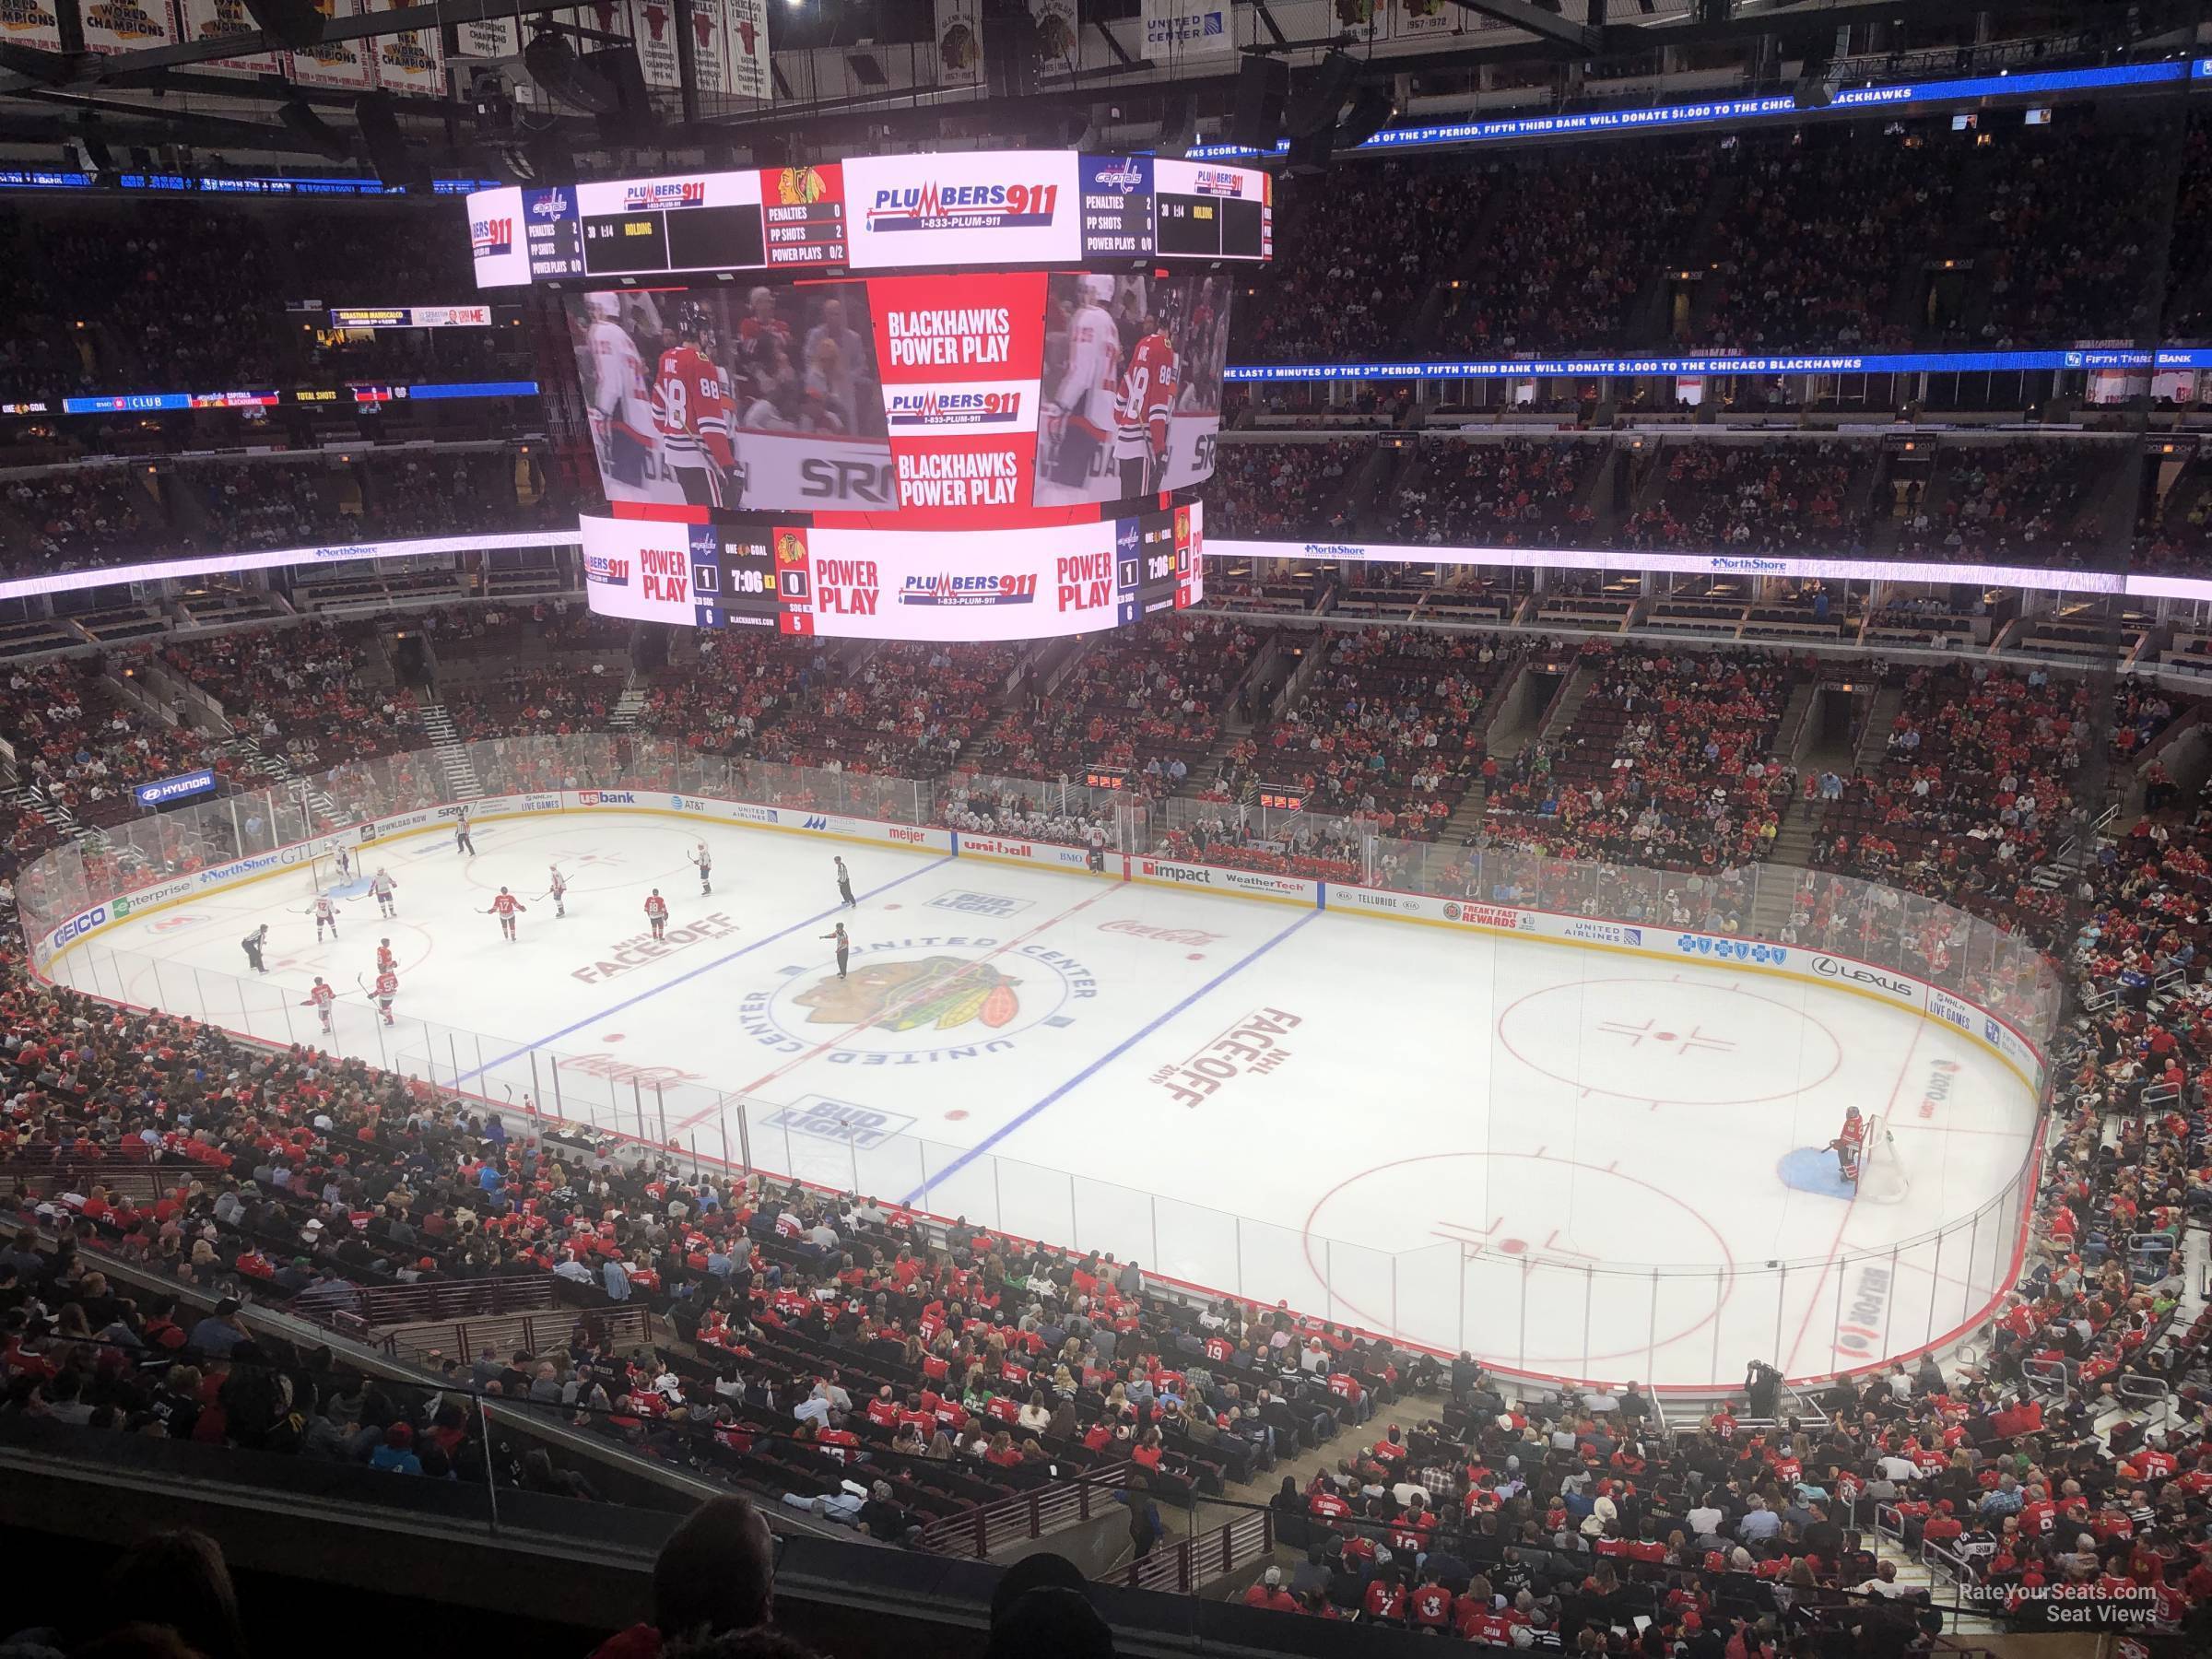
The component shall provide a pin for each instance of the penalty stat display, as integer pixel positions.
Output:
(875, 213)
(988, 585)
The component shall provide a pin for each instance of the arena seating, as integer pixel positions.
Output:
(1668, 763)
(1521, 493)
(1766, 498)
(1146, 699)
(1365, 259)
(1388, 730)
(2015, 503)
(1278, 489)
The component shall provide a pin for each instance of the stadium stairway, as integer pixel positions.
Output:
(48, 807)
(281, 778)
(630, 708)
(453, 754)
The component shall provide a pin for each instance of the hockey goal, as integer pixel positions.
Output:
(1881, 1171)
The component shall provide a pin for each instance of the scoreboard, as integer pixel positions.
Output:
(994, 209)
(891, 584)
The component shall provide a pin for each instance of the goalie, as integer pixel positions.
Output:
(1850, 1148)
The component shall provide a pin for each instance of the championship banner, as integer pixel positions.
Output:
(709, 47)
(339, 65)
(33, 23)
(113, 26)
(652, 26)
(1188, 31)
(960, 42)
(221, 20)
(494, 38)
(412, 61)
(745, 34)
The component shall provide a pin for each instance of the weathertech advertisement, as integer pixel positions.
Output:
(885, 584)
(955, 400)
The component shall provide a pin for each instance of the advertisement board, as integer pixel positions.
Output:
(1015, 849)
(161, 791)
(898, 584)
(994, 206)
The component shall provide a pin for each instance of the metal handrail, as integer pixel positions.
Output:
(978, 1533)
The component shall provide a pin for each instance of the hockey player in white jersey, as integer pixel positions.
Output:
(326, 916)
(621, 398)
(381, 884)
(1078, 410)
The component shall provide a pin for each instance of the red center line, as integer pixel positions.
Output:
(922, 994)
(1789, 1367)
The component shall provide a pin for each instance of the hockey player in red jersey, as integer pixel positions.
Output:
(1850, 1146)
(656, 912)
(504, 907)
(1140, 413)
(319, 999)
(385, 961)
(693, 412)
(387, 987)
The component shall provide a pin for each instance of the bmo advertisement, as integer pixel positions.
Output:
(979, 584)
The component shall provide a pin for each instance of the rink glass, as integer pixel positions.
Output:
(1440, 1297)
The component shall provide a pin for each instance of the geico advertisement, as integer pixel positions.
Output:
(1022, 206)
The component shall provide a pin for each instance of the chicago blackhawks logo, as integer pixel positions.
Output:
(943, 992)
(910, 1001)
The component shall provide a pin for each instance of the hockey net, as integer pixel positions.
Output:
(1881, 1172)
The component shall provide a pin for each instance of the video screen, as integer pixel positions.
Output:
(945, 399)
(755, 399)
(1131, 379)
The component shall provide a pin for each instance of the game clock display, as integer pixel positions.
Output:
(889, 584)
(974, 210)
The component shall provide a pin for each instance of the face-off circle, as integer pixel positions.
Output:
(927, 997)
(1510, 1227)
(1671, 1042)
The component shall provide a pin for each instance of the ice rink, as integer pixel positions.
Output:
(1570, 1161)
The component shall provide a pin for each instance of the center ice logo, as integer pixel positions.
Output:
(941, 991)
(916, 1000)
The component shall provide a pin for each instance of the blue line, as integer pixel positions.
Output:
(682, 978)
(1111, 1055)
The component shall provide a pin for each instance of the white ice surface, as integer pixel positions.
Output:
(1564, 1160)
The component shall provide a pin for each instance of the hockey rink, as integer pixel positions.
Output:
(1568, 1161)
